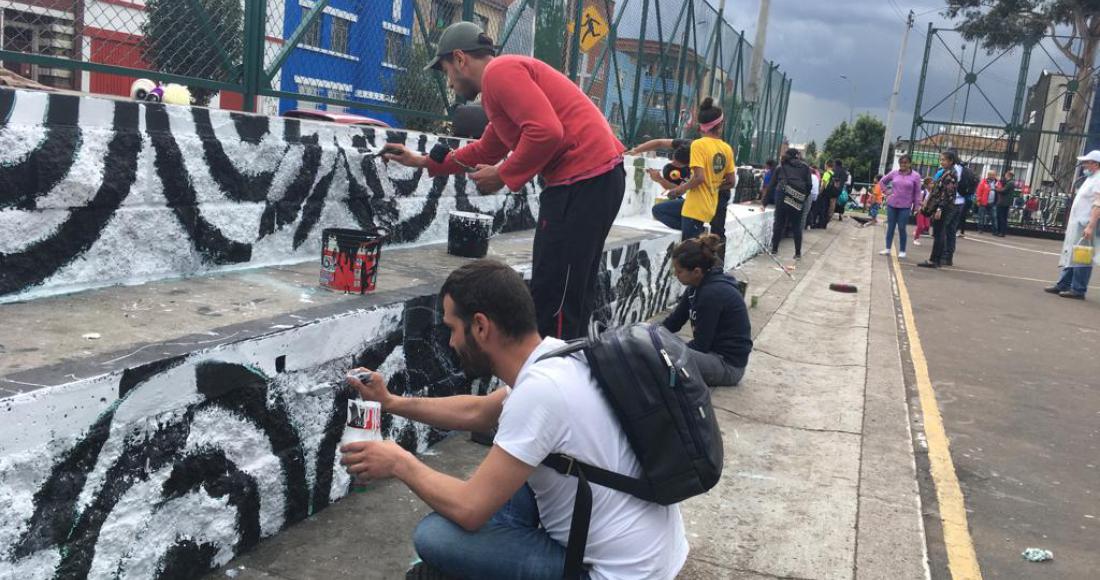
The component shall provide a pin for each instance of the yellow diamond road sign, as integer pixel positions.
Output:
(593, 28)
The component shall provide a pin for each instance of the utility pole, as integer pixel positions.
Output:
(894, 96)
(758, 51)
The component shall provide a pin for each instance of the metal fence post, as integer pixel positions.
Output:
(468, 10)
(632, 132)
(689, 24)
(550, 32)
(1017, 109)
(920, 89)
(575, 43)
(253, 62)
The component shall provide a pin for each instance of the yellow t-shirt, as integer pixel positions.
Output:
(714, 158)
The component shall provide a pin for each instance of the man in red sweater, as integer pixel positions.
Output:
(552, 129)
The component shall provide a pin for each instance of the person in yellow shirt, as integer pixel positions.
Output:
(712, 168)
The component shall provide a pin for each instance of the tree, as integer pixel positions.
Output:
(416, 88)
(197, 38)
(858, 146)
(811, 152)
(1003, 24)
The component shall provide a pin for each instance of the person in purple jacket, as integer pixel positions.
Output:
(902, 202)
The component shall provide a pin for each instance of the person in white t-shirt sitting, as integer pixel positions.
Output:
(511, 519)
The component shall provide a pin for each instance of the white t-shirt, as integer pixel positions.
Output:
(556, 407)
(815, 190)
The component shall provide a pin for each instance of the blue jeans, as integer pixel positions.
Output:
(512, 545)
(952, 232)
(985, 218)
(1075, 279)
(668, 213)
(897, 217)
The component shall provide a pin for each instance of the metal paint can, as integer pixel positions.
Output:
(468, 234)
(349, 259)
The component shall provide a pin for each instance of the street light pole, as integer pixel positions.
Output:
(894, 96)
(851, 100)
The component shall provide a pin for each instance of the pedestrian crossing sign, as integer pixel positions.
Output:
(593, 28)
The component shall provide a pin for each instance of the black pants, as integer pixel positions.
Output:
(787, 217)
(718, 224)
(950, 236)
(939, 235)
(574, 221)
(968, 205)
(1002, 220)
(715, 370)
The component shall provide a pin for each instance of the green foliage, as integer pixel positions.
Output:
(196, 38)
(418, 90)
(858, 146)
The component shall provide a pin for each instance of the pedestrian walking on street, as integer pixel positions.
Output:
(554, 130)
(905, 197)
(791, 187)
(984, 199)
(1006, 197)
(967, 185)
(878, 194)
(721, 332)
(941, 207)
(815, 193)
(820, 206)
(1080, 252)
(924, 223)
(968, 188)
(712, 169)
(843, 181)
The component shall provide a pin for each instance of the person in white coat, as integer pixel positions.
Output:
(1081, 231)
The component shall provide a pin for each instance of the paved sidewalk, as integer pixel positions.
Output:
(820, 477)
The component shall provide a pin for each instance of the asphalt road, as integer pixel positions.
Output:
(1017, 377)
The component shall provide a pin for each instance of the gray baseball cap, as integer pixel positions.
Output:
(464, 36)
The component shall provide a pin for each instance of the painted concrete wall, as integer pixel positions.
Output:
(166, 469)
(172, 467)
(96, 192)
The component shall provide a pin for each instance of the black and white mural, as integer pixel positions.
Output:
(96, 192)
(171, 468)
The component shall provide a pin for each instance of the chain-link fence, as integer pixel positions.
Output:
(645, 63)
(1026, 109)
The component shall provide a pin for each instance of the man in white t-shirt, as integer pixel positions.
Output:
(512, 517)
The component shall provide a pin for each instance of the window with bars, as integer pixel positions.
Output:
(395, 47)
(1067, 103)
(312, 35)
(339, 37)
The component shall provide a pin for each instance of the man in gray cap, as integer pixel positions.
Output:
(552, 129)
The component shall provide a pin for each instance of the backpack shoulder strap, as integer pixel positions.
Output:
(567, 466)
(582, 505)
(571, 347)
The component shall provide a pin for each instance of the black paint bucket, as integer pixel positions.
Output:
(468, 234)
(349, 259)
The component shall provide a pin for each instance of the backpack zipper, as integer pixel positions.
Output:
(681, 396)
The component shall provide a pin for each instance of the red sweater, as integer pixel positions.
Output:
(550, 126)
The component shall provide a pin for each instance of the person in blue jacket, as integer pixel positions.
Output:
(722, 333)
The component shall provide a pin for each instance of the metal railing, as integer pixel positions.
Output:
(645, 63)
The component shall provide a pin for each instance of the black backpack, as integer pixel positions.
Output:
(664, 408)
(968, 184)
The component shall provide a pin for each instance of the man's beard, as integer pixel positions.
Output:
(475, 363)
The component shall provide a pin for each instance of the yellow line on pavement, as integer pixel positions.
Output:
(962, 560)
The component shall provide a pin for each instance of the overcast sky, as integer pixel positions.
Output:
(816, 43)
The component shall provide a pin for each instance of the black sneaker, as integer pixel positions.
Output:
(1071, 295)
(422, 571)
(927, 264)
(1053, 290)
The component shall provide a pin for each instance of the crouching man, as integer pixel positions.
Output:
(511, 519)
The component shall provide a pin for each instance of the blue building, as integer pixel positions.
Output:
(351, 52)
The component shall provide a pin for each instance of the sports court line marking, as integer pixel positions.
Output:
(1010, 246)
(962, 560)
(1006, 276)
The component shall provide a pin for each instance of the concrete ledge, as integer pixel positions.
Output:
(173, 455)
